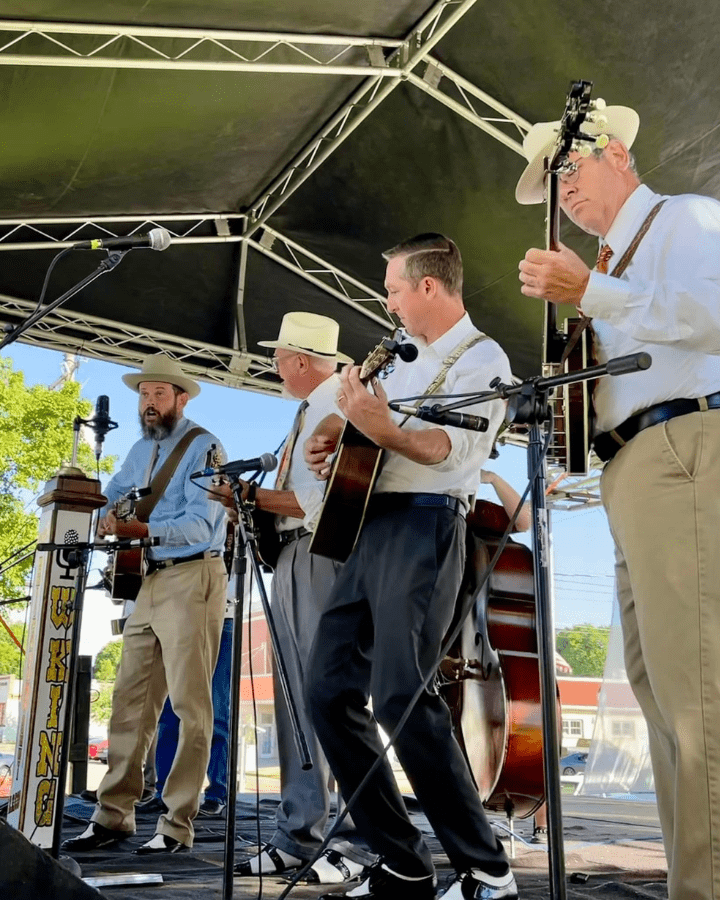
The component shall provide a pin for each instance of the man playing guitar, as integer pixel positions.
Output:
(171, 639)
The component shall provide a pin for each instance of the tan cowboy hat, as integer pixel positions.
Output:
(309, 333)
(160, 367)
(619, 121)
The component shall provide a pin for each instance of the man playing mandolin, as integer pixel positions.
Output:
(659, 434)
(171, 640)
(306, 358)
(381, 634)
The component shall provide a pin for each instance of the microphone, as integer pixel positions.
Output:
(156, 239)
(265, 463)
(101, 422)
(406, 352)
(437, 415)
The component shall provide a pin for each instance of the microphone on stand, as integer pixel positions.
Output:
(406, 352)
(265, 463)
(156, 239)
(438, 416)
(101, 422)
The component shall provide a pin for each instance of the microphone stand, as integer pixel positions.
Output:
(528, 405)
(245, 539)
(107, 265)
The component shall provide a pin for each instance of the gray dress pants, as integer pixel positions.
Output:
(300, 589)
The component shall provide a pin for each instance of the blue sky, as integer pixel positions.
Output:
(249, 424)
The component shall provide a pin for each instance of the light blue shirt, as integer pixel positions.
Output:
(185, 519)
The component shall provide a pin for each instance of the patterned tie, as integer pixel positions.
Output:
(603, 259)
(284, 467)
(601, 266)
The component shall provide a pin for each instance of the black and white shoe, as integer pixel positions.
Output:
(333, 868)
(270, 861)
(161, 843)
(476, 885)
(95, 837)
(384, 884)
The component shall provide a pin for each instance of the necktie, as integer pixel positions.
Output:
(284, 467)
(601, 266)
(603, 259)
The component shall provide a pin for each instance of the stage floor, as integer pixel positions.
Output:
(612, 849)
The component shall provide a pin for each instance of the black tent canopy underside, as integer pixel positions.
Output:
(88, 148)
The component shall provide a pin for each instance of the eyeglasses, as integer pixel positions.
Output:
(276, 360)
(569, 173)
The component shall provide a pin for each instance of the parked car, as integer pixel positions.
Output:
(98, 749)
(573, 763)
(6, 769)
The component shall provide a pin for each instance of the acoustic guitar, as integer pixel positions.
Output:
(123, 576)
(355, 469)
(564, 350)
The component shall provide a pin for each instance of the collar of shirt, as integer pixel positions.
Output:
(446, 343)
(627, 222)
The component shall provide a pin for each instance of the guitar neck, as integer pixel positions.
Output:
(553, 343)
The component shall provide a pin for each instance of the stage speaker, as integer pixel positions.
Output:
(27, 872)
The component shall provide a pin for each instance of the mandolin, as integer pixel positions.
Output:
(355, 468)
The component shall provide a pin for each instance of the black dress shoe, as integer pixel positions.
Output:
(211, 807)
(382, 884)
(95, 837)
(154, 805)
(161, 843)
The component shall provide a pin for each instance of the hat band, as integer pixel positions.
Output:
(311, 350)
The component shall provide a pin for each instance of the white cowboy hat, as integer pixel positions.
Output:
(618, 121)
(309, 333)
(160, 367)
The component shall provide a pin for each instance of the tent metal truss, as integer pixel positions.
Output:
(382, 63)
(128, 345)
(123, 343)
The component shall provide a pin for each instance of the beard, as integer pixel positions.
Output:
(162, 425)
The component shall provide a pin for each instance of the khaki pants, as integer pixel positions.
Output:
(171, 643)
(662, 497)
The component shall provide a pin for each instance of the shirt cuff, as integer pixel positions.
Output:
(605, 298)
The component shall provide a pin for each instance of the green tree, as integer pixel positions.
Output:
(9, 651)
(101, 704)
(107, 661)
(585, 647)
(36, 437)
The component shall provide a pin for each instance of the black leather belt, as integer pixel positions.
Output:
(607, 444)
(287, 537)
(153, 565)
(391, 502)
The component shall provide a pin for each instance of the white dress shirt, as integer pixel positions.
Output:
(459, 474)
(308, 491)
(667, 303)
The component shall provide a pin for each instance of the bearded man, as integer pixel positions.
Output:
(172, 637)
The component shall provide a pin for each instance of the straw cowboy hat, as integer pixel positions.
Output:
(309, 333)
(160, 367)
(616, 121)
